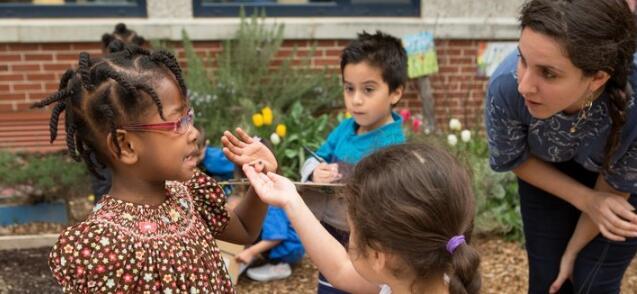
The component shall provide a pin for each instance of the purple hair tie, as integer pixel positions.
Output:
(454, 242)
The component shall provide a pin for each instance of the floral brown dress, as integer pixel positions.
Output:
(130, 248)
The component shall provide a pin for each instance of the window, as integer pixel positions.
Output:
(230, 8)
(72, 8)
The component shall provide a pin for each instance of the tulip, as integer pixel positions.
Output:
(406, 114)
(452, 140)
(454, 124)
(465, 135)
(416, 123)
(267, 115)
(275, 139)
(281, 130)
(257, 120)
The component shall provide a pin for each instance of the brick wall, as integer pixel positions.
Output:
(29, 72)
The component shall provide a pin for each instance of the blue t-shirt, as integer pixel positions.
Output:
(344, 145)
(513, 134)
(277, 226)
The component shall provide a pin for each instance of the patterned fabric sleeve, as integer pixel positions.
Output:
(209, 200)
(623, 174)
(507, 134)
(82, 261)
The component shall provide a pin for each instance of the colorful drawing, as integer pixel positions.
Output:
(490, 54)
(421, 54)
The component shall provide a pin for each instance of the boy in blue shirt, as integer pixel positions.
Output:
(279, 243)
(374, 73)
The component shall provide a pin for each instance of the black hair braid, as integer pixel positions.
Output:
(149, 90)
(53, 98)
(66, 77)
(133, 50)
(83, 70)
(85, 152)
(70, 139)
(121, 80)
(166, 58)
(55, 116)
(109, 114)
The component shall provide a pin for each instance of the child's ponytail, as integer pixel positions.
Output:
(464, 275)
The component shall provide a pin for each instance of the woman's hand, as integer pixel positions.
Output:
(246, 150)
(273, 189)
(566, 271)
(613, 215)
(326, 173)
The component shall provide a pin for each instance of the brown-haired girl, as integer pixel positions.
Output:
(410, 210)
(151, 232)
(561, 115)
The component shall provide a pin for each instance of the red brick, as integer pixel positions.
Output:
(26, 87)
(469, 69)
(4, 68)
(6, 107)
(470, 52)
(448, 69)
(11, 77)
(326, 62)
(324, 43)
(4, 57)
(67, 56)
(22, 106)
(4, 87)
(24, 47)
(295, 43)
(38, 57)
(4, 47)
(56, 46)
(57, 66)
(25, 67)
(12, 96)
(449, 51)
(51, 86)
(333, 52)
(207, 45)
(36, 96)
(461, 60)
(40, 77)
(462, 43)
(342, 43)
(87, 46)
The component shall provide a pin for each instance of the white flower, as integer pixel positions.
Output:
(454, 124)
(452, 140)
(465, 135)
(275, 139)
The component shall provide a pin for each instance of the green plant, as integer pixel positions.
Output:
(247, 78)
(43, 177)
(498, 204)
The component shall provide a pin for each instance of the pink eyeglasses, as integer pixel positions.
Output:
(180, 127)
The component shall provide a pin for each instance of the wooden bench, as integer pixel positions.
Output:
(28, 131)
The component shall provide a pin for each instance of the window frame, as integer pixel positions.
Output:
(72, 10)
(339, 8)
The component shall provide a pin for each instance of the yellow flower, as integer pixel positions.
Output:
(281, 130)
(267, 115)
(347, 114)
(257, 120)
(91, 198)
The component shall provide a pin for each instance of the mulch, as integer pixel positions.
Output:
(504, 270)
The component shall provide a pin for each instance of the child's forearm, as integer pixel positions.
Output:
(263, 246)
(246, 220)
(329, 256)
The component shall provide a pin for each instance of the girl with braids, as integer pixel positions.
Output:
(561, 115)
(120, 37)
(410, 214)
(156, 228)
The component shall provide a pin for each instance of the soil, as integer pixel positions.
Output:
(504, 270)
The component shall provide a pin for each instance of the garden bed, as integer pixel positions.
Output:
(503, 269)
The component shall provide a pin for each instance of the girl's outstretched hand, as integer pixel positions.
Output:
(273, 189)
(246, 150)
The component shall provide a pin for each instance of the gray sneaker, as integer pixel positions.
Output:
(269, 272)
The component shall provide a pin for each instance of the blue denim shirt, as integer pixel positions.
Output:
(513, 134)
